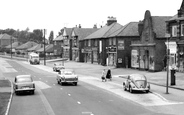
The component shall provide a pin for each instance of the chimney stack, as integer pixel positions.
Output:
(140, 27)
(111, 20)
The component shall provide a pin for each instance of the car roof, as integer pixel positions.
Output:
(138, 77)
(22, 76)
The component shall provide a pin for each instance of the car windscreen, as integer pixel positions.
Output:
(24, 79)
(139, 77)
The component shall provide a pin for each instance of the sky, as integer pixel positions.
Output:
(53, 15)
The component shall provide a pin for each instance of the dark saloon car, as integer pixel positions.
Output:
(136, 82)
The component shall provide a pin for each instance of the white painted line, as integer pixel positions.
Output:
(48, 108)
(90, 113)
(78, 102)
(69, 94)
(10, 100)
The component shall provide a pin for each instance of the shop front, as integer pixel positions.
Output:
(111, 56)
(87, 55)
(75, 54)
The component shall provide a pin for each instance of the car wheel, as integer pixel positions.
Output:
(75, 83)
(147, 91)
(32, 92)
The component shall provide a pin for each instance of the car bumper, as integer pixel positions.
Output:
(24, 89)
(140, 89)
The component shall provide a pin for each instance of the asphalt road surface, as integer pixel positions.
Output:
(89, 97)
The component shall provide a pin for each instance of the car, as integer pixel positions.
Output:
(136, 82)
(57, 67)
(67, 76)
(23, 83)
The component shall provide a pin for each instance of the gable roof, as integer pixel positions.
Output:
(83, 32)
(48, 49)
(68, 32)
(14, 45)
(6, 36)
(36, 47)
(26, 45)
(130, 29)
(159, 25)
(104, 31)
(58, 38)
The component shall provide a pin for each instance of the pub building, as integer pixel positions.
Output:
(175, 30)
(149, 51)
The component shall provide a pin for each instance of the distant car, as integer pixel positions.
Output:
(57, 67)
(136, 82)
(67, 76)
(24, 83)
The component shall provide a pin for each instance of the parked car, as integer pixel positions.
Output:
(136, 82)
(57, 67)
(67, 76)
(24, 83)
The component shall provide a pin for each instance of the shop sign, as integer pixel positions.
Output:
(121, 45)
(172, 47)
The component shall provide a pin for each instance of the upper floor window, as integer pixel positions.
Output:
(182, 29)
(174, 31)
(66, 42)
(89, 42)
(114, 41)
(110, 41)
(74, 42)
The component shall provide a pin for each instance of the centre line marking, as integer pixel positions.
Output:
(78, 102)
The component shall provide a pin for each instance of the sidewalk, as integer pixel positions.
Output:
(157, 78)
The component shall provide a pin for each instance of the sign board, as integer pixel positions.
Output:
(121, 45)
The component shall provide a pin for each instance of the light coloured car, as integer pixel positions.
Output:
(57, 67)
(67, 76)
(24, 83)
(136, 82)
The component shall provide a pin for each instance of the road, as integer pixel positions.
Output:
(90, 97)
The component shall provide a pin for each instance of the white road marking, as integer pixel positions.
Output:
(69, 94)
(6, 67)
(90, 113)
(47, 106)
(78, 102)
(42, 85)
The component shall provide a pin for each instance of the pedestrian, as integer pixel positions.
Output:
(109, 76)
(103, 75)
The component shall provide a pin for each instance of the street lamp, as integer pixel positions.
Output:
(44, 48)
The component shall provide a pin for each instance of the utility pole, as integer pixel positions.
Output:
(168, 53)
(11, 45)
(44, 49)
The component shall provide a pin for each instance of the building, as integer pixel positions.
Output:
(149, 51)
(118, 45)
(58, 46)
(6, 40)
(94, 45)
(78, 34)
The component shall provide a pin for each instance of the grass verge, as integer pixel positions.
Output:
(4, 99)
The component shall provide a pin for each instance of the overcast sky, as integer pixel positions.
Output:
(56, 14)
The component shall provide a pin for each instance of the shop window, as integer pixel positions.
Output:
(182, 29)
(174, 31)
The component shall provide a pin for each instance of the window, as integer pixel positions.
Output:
(114, 41)
(174, 31)
(96, 43)
(182, 29)
(89, 42)
(110, 41)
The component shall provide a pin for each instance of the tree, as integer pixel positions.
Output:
(60, 32)
(51, 37)
(38, 35)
